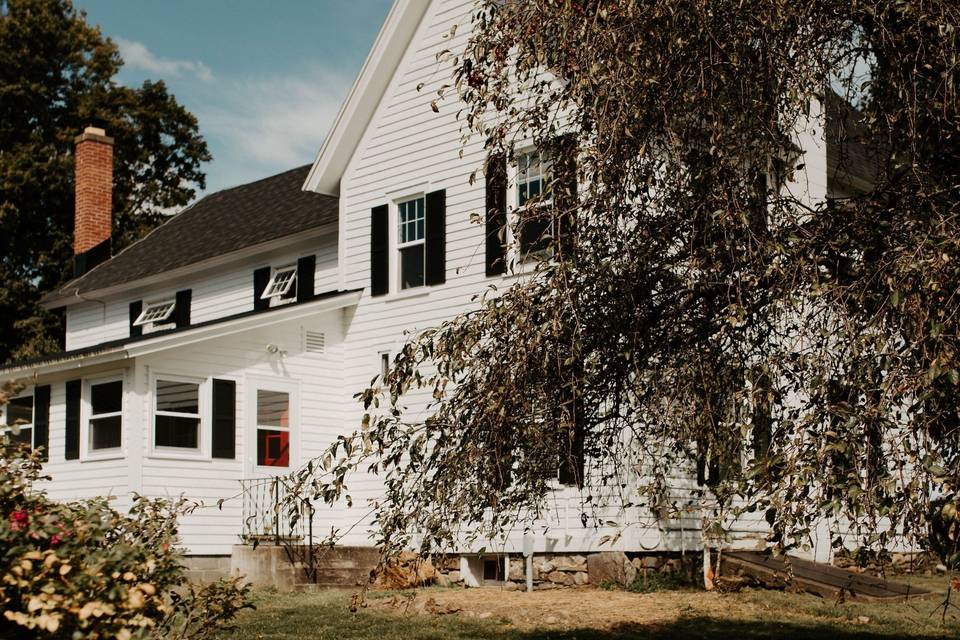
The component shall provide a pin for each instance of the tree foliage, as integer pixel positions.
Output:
(58, 77)
(699, 310)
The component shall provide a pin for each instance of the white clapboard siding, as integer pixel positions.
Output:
(406, 146)
(224, 292)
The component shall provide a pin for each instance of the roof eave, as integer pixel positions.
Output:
(216, 329)
(368, 89)
(64, 296)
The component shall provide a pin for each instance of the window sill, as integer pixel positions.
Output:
(406, 294)
(112, 454)
(173, 454)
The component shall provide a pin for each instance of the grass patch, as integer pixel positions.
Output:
(594, 614)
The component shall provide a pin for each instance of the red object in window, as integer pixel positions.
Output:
(273, 448)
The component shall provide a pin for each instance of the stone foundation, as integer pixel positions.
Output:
(556, 570)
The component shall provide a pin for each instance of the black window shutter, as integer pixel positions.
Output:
(223, 442)
(565, 191)
(135, 309)
(496, 217)
(261, 277)
(436, 237)
(72, 436)
(379, 251)
(41, 420)
(181, 312)
(306, 266)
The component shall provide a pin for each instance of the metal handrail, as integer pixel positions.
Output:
(264, 500)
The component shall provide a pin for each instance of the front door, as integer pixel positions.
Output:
(273, 433)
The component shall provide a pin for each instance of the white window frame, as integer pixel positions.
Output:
(87, 452)
(292, 389)
(6, 429)
(514, 254)
(399, 246)
(274, 292)
(145, 318)
(203, 441)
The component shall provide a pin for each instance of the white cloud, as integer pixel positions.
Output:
(137, 56)
(262, 125)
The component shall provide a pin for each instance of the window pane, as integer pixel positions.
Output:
(174, 431)
(273, 448)
(410, 216)
(411, 266)
(106, 397)
(179, 397)
(273, 408)
(24, 437)
(105, 433)
(20, 410)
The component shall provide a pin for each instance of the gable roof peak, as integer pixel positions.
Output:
(362, 100)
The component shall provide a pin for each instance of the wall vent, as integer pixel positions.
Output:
(313, 341)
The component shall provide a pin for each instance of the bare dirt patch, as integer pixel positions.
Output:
(578, 608)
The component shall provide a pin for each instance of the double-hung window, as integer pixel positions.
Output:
(533, 169)
(177, 414)
(106, 415)
(282, 283)
(155, 313)
(20, 420)
(273, 428)
(411, 244)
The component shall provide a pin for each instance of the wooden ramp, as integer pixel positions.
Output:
(821, 579)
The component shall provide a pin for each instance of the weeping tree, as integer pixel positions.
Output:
(690, 308)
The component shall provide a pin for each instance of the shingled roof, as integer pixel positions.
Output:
(225, 221)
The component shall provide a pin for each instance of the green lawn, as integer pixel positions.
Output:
(751, 614)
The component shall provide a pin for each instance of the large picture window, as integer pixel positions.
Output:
(411, 245)
(19, 418)
(106, 415)
(273, 428)
(177, 414)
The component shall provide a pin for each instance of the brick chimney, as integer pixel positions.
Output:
(93, 216)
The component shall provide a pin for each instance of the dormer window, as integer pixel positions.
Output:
(281, 283)
(155, 313)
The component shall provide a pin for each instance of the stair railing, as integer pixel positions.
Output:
(272, 514)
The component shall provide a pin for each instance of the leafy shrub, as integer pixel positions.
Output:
(945, 530)
(81, 569)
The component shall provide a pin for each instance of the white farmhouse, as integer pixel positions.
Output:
(228, 344)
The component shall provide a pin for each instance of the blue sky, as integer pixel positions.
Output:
(265, 79)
